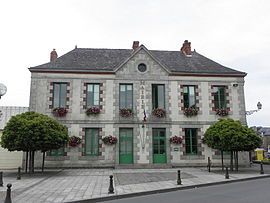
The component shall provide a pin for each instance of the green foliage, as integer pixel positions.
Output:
(32, 131)
(231, 135)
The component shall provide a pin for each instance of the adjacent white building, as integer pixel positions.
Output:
(9, 160)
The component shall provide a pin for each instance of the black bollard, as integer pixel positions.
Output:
(8, 197)
(111, 189)
(19, 173)
(179, 181)
(209, 164)
(1, 179)
(227, 173)
(261, 172)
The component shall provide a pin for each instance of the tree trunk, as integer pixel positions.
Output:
(33, 161)
(43, 160)
(222, 161)
(30, 161)
(250, 160)
(26, 162)
(237, 166)
(231, 166)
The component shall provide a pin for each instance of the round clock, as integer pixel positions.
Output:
(3, 89)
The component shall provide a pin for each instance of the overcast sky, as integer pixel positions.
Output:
(235, 33)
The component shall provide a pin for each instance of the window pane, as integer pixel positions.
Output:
(63, 95)
(219, 97)
(126, 96)
(59, 94)
(191, 141)
(161, 97)
(56, 93)
(191, 96)
(92, 97)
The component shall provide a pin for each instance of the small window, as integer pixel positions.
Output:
(191, 141)
(126, 96)
(189, 96)
(158, 96)
(92, 96)
(59, 95)
(220, 97)
(91, 141)
(142, 67)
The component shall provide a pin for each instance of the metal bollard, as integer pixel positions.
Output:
(8, 197)
(179, 181)
(111, 189)
(19, 173)
(1, 179)
(209, 164)
(227, 173)
(261, 172)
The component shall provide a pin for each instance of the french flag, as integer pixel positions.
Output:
(144, 116)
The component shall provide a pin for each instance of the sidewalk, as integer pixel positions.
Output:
(80, 184)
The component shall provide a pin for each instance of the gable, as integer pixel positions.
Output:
(129, 69)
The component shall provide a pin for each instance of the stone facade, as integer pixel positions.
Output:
(109, 122)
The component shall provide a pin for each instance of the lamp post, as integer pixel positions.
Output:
(3, 90)
(259, 107)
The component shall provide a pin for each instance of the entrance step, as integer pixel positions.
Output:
(142, 166)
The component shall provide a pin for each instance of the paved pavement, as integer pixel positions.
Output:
(70, 185)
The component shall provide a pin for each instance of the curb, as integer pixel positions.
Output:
(136, 194)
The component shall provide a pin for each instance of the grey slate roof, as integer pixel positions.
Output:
(100, 60)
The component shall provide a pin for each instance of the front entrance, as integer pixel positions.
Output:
(159, 145)
(125, 146)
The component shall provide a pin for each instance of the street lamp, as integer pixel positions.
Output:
(3, 90)
(259, 107)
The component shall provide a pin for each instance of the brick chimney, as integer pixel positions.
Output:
(135, 45)
(186, 48)
(53, 55)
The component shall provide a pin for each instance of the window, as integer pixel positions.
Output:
(220, 97)
(189, 96)
(158, 96)
(57, 152)
(92, 95)
(191, 141)
(91, 141)
(126, 96)
(59, 94)
(142, 67)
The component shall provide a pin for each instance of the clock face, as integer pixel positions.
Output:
(3, 89)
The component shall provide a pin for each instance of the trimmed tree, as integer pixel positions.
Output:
(30, 132)
(231, 135)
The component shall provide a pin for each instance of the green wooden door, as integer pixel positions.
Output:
(159, 145)
(126, 146)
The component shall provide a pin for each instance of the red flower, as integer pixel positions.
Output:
(176, 139)
(94, 110)
(159, 112)
(109, 140)
(60, 111)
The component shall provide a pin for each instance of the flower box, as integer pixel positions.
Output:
(222, 112)
(159, 112)
(93, 110)
(176, 139)
(60, 111)
(124, 112)
(109, 140)
(191, 111)
(74, 141)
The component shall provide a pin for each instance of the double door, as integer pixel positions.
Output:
(159, 145)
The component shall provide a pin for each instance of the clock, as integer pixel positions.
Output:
(3, 89)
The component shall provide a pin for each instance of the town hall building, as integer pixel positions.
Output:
(136, 107)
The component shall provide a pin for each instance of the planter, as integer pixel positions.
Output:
(191, 111)
(59, 111)
(74, 141)
(176, 139)
(159, 113)
(109, 140)
(94, 110)
(222, 112)
(125, 112)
